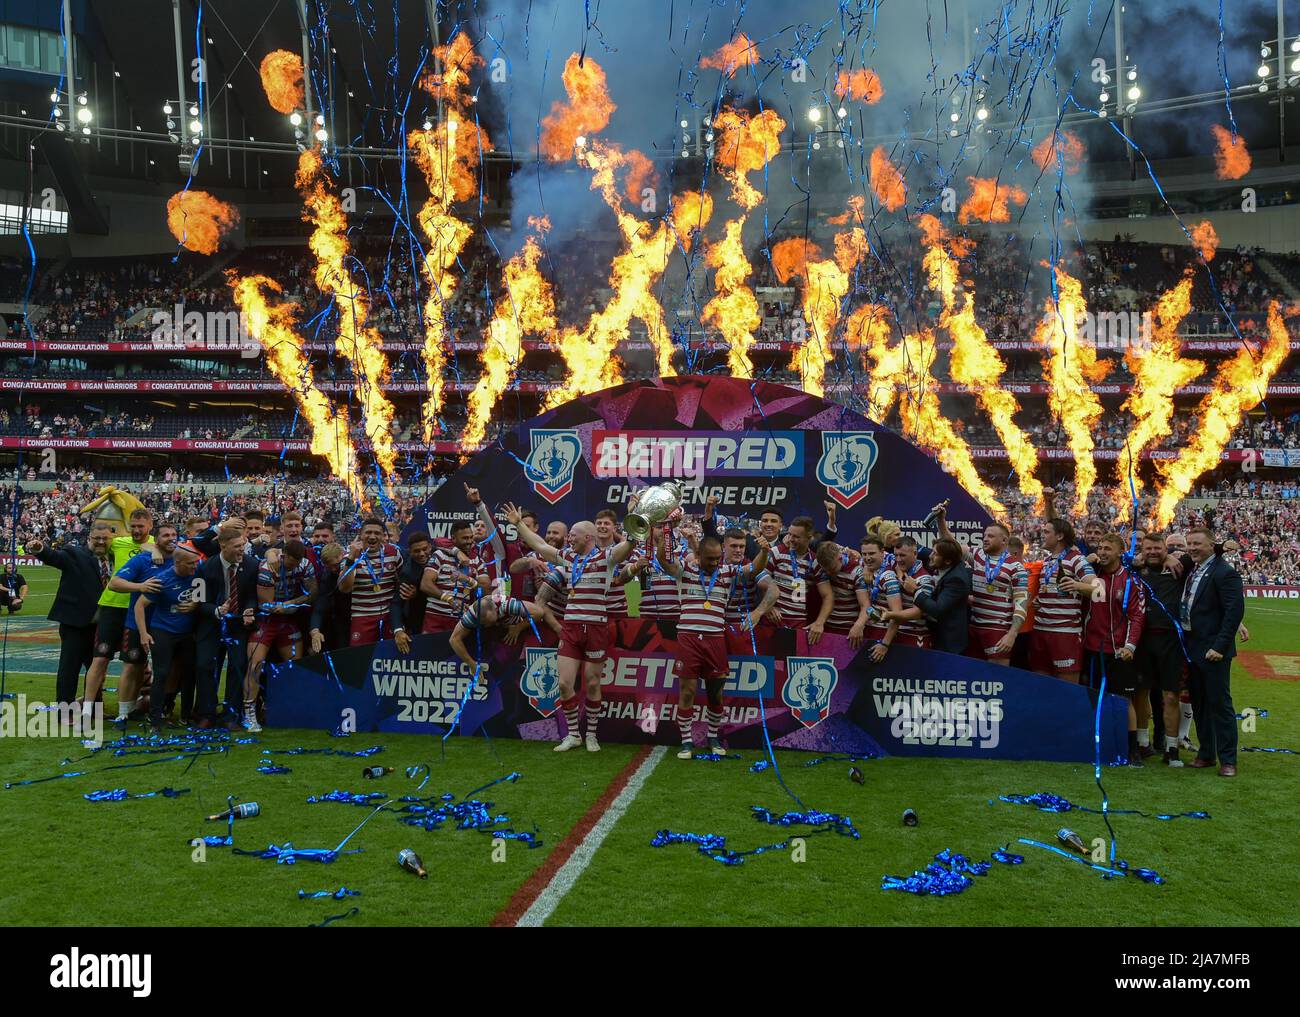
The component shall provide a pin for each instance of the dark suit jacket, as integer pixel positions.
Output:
(1216, 612)
(947, 609)
(77, 599)
(212, 572)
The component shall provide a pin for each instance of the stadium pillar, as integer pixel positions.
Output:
(431, 12)
(69, 72)
(182, 121)
(1281, 83)
(306, 69)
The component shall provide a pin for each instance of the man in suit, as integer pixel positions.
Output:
(946, 604)
(225, 615)
(1212, 608)
(83, 575)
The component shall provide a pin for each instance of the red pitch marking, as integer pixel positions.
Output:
(1270, 666)
(541, 878)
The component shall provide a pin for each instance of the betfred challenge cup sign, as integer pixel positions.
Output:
(551, 462)
(808, 686)
(540, 680)
(845, 466)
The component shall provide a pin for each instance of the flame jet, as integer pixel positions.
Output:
(357, 340)
(974, 361)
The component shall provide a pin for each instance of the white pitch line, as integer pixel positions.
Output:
(562, 882)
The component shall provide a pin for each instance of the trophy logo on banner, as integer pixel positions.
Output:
(540, 681)
(551, 462)
(845, 466)
(809, 682)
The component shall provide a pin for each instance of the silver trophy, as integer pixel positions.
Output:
(654, 506)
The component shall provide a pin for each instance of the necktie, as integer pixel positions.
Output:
(103, 572)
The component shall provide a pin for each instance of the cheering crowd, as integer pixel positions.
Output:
(180, 601)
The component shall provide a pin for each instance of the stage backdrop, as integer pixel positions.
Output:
(755, 446)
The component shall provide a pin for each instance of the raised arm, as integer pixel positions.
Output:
(534, 540)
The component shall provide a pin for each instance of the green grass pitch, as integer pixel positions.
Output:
(68, 861)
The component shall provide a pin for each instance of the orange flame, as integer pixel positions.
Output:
(449, 82)
(974, 361)
(746, 144)
(275, 328)
(1240, 384)
(886, 181)
(640, 175)
(357, 340)
(1063, 147)
(1205, 239)
(902, 373)
(1158, 373)
(586, 113)
(862, 84)
(527, 307)
(1070, 364)
(732, 56)
(734, 309)
(825, 285)
(282, 80)
(448, 156)
(1231, 157)
(988, 201)
(853, 212)
(198, 221)
(790, 256)
(589, 352)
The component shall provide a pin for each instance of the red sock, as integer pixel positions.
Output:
(593, 715)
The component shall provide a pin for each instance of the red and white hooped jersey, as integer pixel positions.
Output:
(588, 578)
(451, 577)
(793, 574)
(1058, 611)
(994, 587)
(924, 581)
(844, 596)
(374, 581)
(704, 598)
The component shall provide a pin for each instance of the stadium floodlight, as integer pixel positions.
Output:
(817, 145)
(320, 119)
(1265, 52)
(54, 96)
(1101, 114)
(815, 113)
(194, 109)
(428, 124)
(171, 124)
(84, 116)
(167, 109)
(1295, 64)
(580, 141)
(57, 112)
(954, 117)
(1132, 74)
(1105, 79)
(85, 130)
(685, 125)
(841, 112)
(196, 127)
(82, 99)
(981, 114)
(1135, 93)
(953, 133)
(1104, 97)
(1263, 87)
(708, 136)
(1295, 44)
(321, 134)
(295, 118)
(1263, 71)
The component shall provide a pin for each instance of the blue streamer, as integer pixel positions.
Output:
(120, 794)
(1045, 801)
(338, 894)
